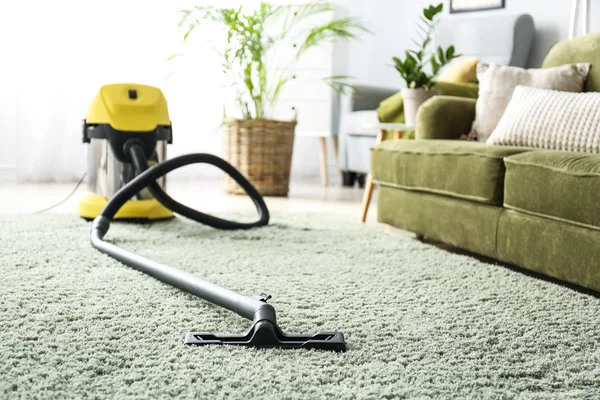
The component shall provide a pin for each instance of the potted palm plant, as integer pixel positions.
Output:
(420, 67)
(260, 147)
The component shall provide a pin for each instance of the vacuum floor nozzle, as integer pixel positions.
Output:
(266, 334)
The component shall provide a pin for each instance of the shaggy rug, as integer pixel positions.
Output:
(420, 322)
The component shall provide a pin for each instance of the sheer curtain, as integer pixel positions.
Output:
(58, 53)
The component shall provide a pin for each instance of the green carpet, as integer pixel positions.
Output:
(420, 322)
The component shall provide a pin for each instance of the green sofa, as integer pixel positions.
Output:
(530, 207)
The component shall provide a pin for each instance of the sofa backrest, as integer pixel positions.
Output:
(504, 39)
(580, 49)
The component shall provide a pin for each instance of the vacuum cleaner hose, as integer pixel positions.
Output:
(140, 162)
(149, 175)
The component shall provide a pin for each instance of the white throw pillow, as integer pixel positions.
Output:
(497, 82)
(550, 119)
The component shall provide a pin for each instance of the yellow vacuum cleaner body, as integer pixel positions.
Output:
(136, 109)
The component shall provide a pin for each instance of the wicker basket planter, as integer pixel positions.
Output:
(262, 151)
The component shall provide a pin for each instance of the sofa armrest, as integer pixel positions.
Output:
(363, 98)
(445, 117)
(359, 98)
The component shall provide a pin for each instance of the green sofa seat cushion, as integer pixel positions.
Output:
(560, 185)
(466, 170)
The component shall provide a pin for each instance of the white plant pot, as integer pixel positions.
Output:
(413, 98)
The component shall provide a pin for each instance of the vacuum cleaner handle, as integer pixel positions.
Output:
(245, 306)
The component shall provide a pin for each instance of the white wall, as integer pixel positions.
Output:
(394, 23)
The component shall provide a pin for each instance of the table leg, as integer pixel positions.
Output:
(323, 156)
(334, 141)
(369, 185)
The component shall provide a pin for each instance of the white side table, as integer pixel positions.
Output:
(398, 130)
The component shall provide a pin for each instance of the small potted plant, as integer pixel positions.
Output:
(258, 146)
(420, 81)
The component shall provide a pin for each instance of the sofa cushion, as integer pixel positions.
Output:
(582, 49)
(555, 184)
(497, 83)
(467, 170)
(551, 120)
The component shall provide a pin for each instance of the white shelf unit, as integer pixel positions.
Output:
(308, 97)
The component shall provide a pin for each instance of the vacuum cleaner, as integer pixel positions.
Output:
(127, 129)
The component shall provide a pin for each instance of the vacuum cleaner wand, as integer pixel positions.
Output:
(264, 331)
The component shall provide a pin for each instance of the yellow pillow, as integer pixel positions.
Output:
(464, 71)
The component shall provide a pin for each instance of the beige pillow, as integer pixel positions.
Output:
(497, 82)
(550, 119)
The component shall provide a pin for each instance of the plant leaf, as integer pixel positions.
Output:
(347, 28)
(427, 13)
(338, 83)
(172, 56)
(441, 56)
(426, 42)
(187, 33)
(435, 66)
(450, 53)
(425, 21)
